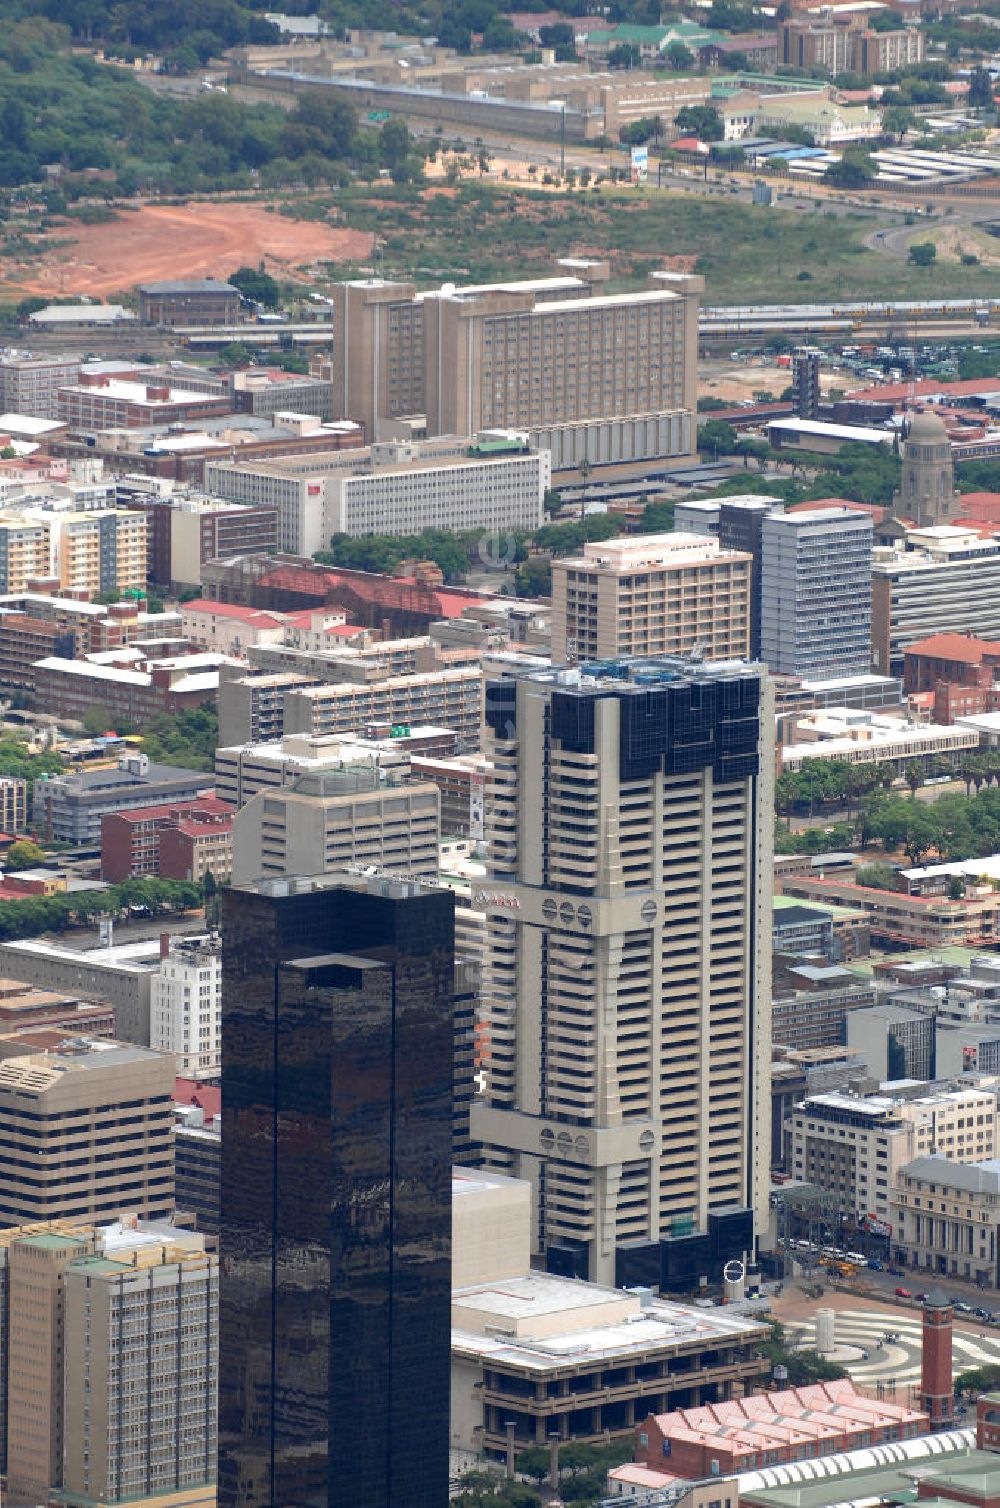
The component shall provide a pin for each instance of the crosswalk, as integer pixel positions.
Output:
(900, 1361)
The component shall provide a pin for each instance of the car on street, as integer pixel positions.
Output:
(903, 1293)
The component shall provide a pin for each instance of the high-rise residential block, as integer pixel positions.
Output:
(652, 595)
(109, 1346)
(816, 593)
(88, 1132)
(327, 821)
(559, 357)
(627, 971)
(140, 1366)
(336, 1222)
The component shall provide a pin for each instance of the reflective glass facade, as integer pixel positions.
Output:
(336, 1217)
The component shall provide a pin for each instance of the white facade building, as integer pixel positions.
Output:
(186, 1006)
(494, 483)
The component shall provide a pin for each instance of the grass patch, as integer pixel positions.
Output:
(746, 254)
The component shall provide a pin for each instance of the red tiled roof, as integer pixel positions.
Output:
(345, 630)
(193, 1092)
(962, 647)
(252, 615)
(394, 593)
(195, 829)
(211, 805)
(892, 392)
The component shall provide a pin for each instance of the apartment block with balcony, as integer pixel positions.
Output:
(652, 595)
(140, 1367)
(627, 974)
(447, 699)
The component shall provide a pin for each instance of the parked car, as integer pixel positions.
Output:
(875, 1266)
(903, 1293)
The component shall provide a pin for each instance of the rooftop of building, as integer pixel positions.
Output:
(951, 646)
(820, 1411)
(36, 1072)
(91, 781)
(152, 395)
(207, 1097)
(986, 868)
(635, 675)
(632, 553)
(864, 434)
(970, 1178)
(208, 805)
(540, 1322)
(253, 617)
(189, 285)
(874, 1474)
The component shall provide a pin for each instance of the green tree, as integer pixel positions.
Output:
(855, 169)
(897, 120)
(980, 90)
(256, 285)
(24, 854)
(394, 144)
(703, 121)
(923, 253)
(914, 776)
(718, 438)
(678, 57)
(624, 55)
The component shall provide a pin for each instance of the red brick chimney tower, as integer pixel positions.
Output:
(936, 1391)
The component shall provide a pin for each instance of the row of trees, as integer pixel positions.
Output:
(54, 913)
(953, 827)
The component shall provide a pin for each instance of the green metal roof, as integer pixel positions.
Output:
(50, 1241)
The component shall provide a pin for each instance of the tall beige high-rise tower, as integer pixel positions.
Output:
(652, 594)
(109, 1345)
(140, 1366)
(587, 374)
(32, 1361)
(628, 961)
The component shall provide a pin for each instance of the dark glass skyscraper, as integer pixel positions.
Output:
(336, 1218)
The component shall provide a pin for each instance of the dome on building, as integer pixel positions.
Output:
(927, 429)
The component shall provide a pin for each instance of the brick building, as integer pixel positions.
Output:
(189, 301)
(767, 1429)
(961, 671)
(129, 691)
(183, 533)
(100, 401)
(169, 840)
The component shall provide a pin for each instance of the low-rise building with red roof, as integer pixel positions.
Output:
(766, 1429)
(961, 671)
(177, 841)
(228, 628)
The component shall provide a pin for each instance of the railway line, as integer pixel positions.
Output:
(717, 325)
